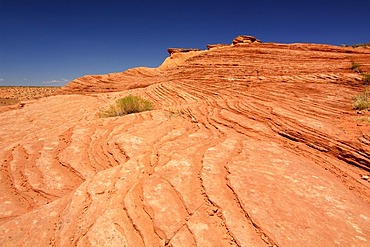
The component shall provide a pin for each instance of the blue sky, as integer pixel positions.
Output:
(52, 42)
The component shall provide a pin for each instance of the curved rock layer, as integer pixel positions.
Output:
(132, 78)
(253, 145)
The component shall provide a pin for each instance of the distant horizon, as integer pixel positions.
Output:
(48, 43)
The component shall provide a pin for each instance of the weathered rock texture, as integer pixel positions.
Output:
(252, 145)
(212, 46)
(130, 79)
(244, 39)
(180, 50)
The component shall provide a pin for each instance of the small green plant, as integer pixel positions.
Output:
(362, 101)
(127, 105)
(366, 79)
(355, 67)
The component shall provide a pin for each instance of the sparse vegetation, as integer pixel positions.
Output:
(358, 45)
(362, 101)
(127, 105)
(366, 79)
(14, 94)
(355, 67)
(361, 45)
(366, 76)
(363, 119)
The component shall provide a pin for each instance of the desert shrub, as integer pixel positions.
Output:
(363, 119)
(355, 67)
(366, 79)
(364, 45)
(361, 45)
(362, 101)
(127, 105)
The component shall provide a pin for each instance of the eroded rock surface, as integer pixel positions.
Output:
(181, 50)
(245, 39)
(212, 46)
(252, 145)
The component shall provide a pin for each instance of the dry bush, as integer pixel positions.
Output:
(366, 79)
(355, 67)
(127, 105)
(362, 101)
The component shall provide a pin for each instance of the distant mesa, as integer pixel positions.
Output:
(244, 39)
(181, 50)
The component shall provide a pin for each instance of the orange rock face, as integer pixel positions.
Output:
(254, 145)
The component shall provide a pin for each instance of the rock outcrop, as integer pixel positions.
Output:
(181, 50)
(249, 145)
(211, 46)
(244, 39)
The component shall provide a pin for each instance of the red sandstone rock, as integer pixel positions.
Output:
(181, 50)
(248, 146)
(211, 46)
(244, 39)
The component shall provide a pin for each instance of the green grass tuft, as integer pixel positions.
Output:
(362, 101)
(127, 105)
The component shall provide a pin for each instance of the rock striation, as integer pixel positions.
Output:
(249, 145)
(181, 50)
(211, 46)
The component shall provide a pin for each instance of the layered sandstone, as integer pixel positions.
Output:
(212, 46)
(181, 50)
(249, 145)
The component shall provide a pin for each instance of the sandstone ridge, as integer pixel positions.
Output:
(249, 145)
(181, 50)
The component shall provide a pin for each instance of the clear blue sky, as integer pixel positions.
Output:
(55, 41)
